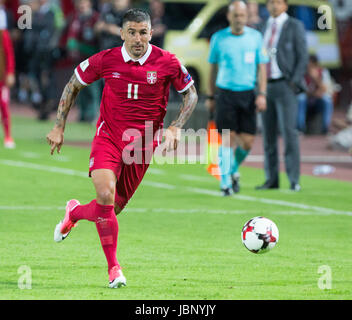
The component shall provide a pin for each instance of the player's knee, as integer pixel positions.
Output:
(105, 196)
(247, 145)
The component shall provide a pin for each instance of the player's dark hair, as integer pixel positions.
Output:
(314, 58)
(135, 15)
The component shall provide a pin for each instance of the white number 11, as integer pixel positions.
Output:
(129, 91)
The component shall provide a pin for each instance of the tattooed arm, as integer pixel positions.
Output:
(55, 137)
(173, 132)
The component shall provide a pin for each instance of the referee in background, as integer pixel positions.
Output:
(236, 90)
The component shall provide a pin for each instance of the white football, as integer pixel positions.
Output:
(259, 235)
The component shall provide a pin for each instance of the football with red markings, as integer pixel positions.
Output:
(260, 235)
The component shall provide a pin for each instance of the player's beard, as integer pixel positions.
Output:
(138, 50)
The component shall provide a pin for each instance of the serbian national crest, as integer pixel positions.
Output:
(151, 77)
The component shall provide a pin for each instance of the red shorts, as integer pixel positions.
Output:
(105, 154)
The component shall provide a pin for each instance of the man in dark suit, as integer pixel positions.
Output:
(284, 38)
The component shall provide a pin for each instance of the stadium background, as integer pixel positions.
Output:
(327, 150)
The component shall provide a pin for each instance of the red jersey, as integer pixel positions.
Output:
(7, 57)
(135, 91)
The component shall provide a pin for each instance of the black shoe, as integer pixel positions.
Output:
(295, 187)
(226, 192)
(236, 182)
(267, 185)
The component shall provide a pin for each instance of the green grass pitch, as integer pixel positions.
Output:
(178, 238)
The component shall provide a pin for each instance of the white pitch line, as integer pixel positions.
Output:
(219, 211)
(41, 167)
(190, 177)
(158, 185)
(307, 159)
(325, 211)
(155, 171)
(31, 208)
(320, 210)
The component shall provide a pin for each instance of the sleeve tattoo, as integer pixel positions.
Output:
(189, 101)
(67, 100)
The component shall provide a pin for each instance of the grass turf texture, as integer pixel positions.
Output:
(180, 241)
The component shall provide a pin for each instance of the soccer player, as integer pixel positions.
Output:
(137, 80)
(7, 80)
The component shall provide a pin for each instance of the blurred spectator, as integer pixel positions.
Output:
(81, 39)
(254, 19)
(7, 77)
(6, 17)
(342, 140)
(102, 4)
(110, 22)
(318, 97)
(39, 43)
(159, 25)
(82, 42)
(342, 9)
(59, 17)
(67, 7)
(343, 13)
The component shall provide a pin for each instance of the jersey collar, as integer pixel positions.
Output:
(142, 60)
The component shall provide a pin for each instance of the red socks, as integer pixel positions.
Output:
(107, 226)
(86, 212)
(108, 229)
(4, 108)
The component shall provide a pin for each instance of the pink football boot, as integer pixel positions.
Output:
(63, 228)
(116, 277)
